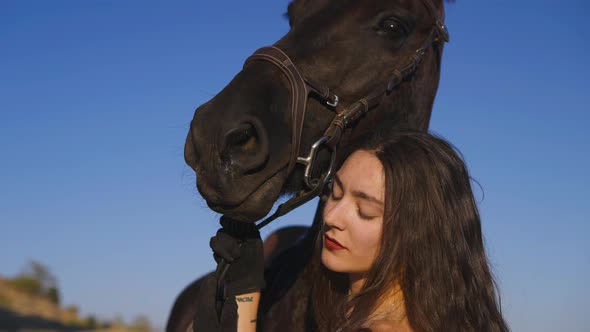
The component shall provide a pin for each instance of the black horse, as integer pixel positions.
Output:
(380, 58)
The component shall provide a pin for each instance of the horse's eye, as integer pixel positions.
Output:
(392, 27)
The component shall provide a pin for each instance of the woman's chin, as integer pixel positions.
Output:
(331, 262)
(342, 262)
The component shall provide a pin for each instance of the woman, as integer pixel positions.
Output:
(402, 247)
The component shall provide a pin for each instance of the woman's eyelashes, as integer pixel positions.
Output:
(363, 215)
(336, 194)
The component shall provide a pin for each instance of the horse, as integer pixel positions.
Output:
(345, 68)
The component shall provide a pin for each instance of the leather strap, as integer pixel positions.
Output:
(299, 93)
(301, 87)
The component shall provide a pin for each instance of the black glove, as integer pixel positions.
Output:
(206, 318)
(237, 248)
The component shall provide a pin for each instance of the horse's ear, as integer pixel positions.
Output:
(295, 10)
(287, 17)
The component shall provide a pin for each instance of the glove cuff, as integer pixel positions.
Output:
(233, 289)
(239, 229)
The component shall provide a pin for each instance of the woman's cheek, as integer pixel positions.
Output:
(368, 239)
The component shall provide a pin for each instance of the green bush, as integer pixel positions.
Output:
(27, 285)
(4, 301)
(37, 280)
(91, 322)
(53, 295)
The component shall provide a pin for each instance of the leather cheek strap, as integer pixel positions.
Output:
(299, 93)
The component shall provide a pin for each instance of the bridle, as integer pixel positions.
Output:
(303, 87)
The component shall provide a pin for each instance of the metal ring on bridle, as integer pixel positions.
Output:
(334, 103)
(301, 88)
(309, 162)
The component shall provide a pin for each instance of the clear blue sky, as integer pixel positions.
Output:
(96, 98)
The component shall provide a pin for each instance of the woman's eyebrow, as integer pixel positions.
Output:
(367, 197)
(358, 194)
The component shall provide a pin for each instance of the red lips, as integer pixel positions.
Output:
(332, 244)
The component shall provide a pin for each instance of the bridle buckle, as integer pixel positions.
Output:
(309, 162)
(332, 103)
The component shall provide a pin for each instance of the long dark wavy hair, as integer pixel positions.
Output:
(431, 247)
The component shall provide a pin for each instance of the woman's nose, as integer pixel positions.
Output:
(334, 215)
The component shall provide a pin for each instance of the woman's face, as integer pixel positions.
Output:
(353, 215)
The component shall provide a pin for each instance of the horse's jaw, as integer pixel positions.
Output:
(255, 205)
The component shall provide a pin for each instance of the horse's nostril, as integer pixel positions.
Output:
(243, 138)
(245, 147)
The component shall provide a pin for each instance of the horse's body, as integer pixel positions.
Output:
(350, 47)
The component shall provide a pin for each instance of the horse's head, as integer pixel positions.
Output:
(241, 143)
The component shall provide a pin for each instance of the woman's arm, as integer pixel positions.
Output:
(247, 311)
(239, 246)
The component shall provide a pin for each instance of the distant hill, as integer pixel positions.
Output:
(22, 311)
(19, 310)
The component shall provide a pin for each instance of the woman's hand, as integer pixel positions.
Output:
(238, 244)
(237, 248)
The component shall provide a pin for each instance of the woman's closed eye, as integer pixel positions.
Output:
(364, 215)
